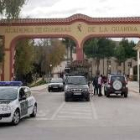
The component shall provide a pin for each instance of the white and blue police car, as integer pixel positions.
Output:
(16, 102)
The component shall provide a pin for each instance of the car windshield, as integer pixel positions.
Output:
(8, 94)
(120, 78)
(76, 80)
(56, 80)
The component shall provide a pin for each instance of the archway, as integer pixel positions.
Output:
(79, 27)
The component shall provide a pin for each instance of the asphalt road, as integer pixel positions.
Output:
(114, 118)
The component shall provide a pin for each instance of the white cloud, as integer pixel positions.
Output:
(93, 8)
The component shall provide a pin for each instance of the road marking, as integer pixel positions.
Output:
(74, 111)
(38, 119)
(57, 111)
(68, 117)
(41, 113)
(94, 112)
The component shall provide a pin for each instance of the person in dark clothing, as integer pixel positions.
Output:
(95, 85)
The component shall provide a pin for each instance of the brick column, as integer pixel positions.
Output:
(79, 53)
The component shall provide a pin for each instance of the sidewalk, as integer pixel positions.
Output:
(41, 87)
(133, 86)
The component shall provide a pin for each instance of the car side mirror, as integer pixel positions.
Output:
(23, 98)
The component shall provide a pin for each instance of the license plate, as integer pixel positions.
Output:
(55, 87)
(77, 93)
(117, 91)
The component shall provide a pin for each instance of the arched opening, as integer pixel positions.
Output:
(43, 68)
(111, 55)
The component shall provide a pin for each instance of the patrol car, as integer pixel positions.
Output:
(16, 102)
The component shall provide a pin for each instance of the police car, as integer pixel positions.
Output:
(16, 102)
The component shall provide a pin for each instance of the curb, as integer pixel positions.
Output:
(134, 91)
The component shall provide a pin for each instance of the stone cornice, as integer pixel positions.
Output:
(69, 20)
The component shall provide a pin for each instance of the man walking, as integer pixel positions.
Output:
(100, 81)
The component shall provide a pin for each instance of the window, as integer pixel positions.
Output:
(27, 92)
(21, 94)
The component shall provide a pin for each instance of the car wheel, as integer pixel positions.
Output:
(107, 94)
(34, 111)
(16, 117)
(66, 98)
(88, 98)
(49, 90)
(125, 95)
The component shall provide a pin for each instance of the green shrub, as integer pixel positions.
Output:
(41, 82)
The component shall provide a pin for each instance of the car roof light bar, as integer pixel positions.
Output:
(11, 83)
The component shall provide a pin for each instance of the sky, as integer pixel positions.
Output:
(92, 8)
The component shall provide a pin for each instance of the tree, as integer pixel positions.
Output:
(126, 49)
(69, 47)
(50, 53)
(24, 58)
(11, 8)
(99, 48)
(120, 54)
(106, 47)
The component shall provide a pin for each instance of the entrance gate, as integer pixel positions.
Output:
(77, 27)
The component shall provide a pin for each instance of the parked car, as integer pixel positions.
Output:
(16, 102)
(76, 87)
(56, 84)
(116, 84)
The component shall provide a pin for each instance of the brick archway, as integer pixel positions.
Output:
(12, 46)
(78, 27)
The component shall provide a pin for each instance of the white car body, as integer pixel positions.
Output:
(25, 106)
(56, 83)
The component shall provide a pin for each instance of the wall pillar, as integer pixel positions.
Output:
(138, 65)
(7, 66)
(79, 53)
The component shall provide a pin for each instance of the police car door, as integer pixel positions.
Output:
(29, 99)
(23, 102)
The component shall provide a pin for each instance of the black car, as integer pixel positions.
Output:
(56, 84)
(116, 84)
(76, 87)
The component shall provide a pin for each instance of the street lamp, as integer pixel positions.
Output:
(50, 69)
(109, 69)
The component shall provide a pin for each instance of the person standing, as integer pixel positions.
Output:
(100, 82)
(95, 84)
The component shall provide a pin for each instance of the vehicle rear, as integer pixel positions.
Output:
(116, 84)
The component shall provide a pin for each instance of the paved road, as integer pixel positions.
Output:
(102, 118)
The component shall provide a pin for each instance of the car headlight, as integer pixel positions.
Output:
(6, 108)
(68, 89)
(85, 89)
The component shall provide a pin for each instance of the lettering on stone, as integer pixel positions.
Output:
(56, 29)
(38, 30)
(103, 29)
(18, 30)
(124, 29)
(91, 29)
